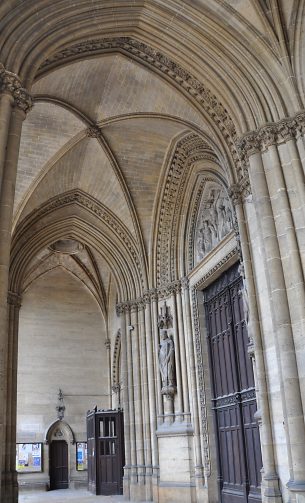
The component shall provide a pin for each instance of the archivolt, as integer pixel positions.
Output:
(189, 149)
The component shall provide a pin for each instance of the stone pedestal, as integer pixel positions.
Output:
(176, 483)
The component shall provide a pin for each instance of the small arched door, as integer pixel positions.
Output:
(59, 465)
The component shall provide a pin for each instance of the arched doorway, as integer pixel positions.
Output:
(59, 478)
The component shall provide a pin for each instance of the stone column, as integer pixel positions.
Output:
(14, 304)
(145, 402)
(177, 360)
(270, 477)
(182, 344)
(159, 400)
(15, 102)
(190, 343)
(108, 349)
(151, 379)
(133, 456)
(125, 399)
(137, 385)
(290, 385)
(156, 408)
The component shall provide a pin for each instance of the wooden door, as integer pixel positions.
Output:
(233, 393)
(59, 465)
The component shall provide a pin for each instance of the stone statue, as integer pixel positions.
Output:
(167, 363)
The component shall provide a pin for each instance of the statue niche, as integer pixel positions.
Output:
(215, 220)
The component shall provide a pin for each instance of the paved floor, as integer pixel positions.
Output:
(68, 496)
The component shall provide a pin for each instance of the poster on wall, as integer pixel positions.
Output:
(81, 456)
(28, 458)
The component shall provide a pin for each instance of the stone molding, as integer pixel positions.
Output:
(11, 84)
(115, 360)
(273, 133)
(189, 149)
(201, 283)
(201, 386)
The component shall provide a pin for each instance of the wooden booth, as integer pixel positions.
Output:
(105, 451)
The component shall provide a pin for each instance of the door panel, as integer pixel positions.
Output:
(59, 465)
(233, 400)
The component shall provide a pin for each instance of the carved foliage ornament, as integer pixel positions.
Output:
(271, 134)
(10, 83)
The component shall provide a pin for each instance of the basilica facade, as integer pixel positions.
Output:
(152, 246)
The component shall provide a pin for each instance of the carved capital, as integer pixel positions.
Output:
(10, 84)
(248, 145)
(299, 123)
(235, 194)
(268, 136)
(147, 297)
(14, 299)
(185, 283)
(122, 308)
(154, 295)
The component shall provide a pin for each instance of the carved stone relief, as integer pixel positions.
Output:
(215, 220)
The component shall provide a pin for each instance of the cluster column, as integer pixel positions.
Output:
(274, 206)
(271, 491)
(15, 102)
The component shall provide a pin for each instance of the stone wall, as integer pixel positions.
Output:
(61, 345)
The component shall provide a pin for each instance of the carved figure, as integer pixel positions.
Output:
(216, 221)
(167, 361)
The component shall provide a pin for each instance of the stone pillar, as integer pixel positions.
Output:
(145, 402)
(182, 344)
(190, 343)
(270, 479)
(151, 381)
(108, 349)
(14, 304)
(138, 490)
(179, 410)
(125, 399)
(14, 103)
(133, 456)
(290, 385)
(159, 400)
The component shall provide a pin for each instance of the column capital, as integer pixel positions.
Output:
(14, 299)
(272, 133)
(11, 84)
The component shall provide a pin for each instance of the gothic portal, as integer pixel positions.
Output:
(152, 216)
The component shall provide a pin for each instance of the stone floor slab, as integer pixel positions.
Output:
(68, 496)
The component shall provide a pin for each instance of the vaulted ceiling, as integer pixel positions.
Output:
(118, 84)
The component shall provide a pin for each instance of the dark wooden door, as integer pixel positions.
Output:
(233, 393)
(59, 465)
